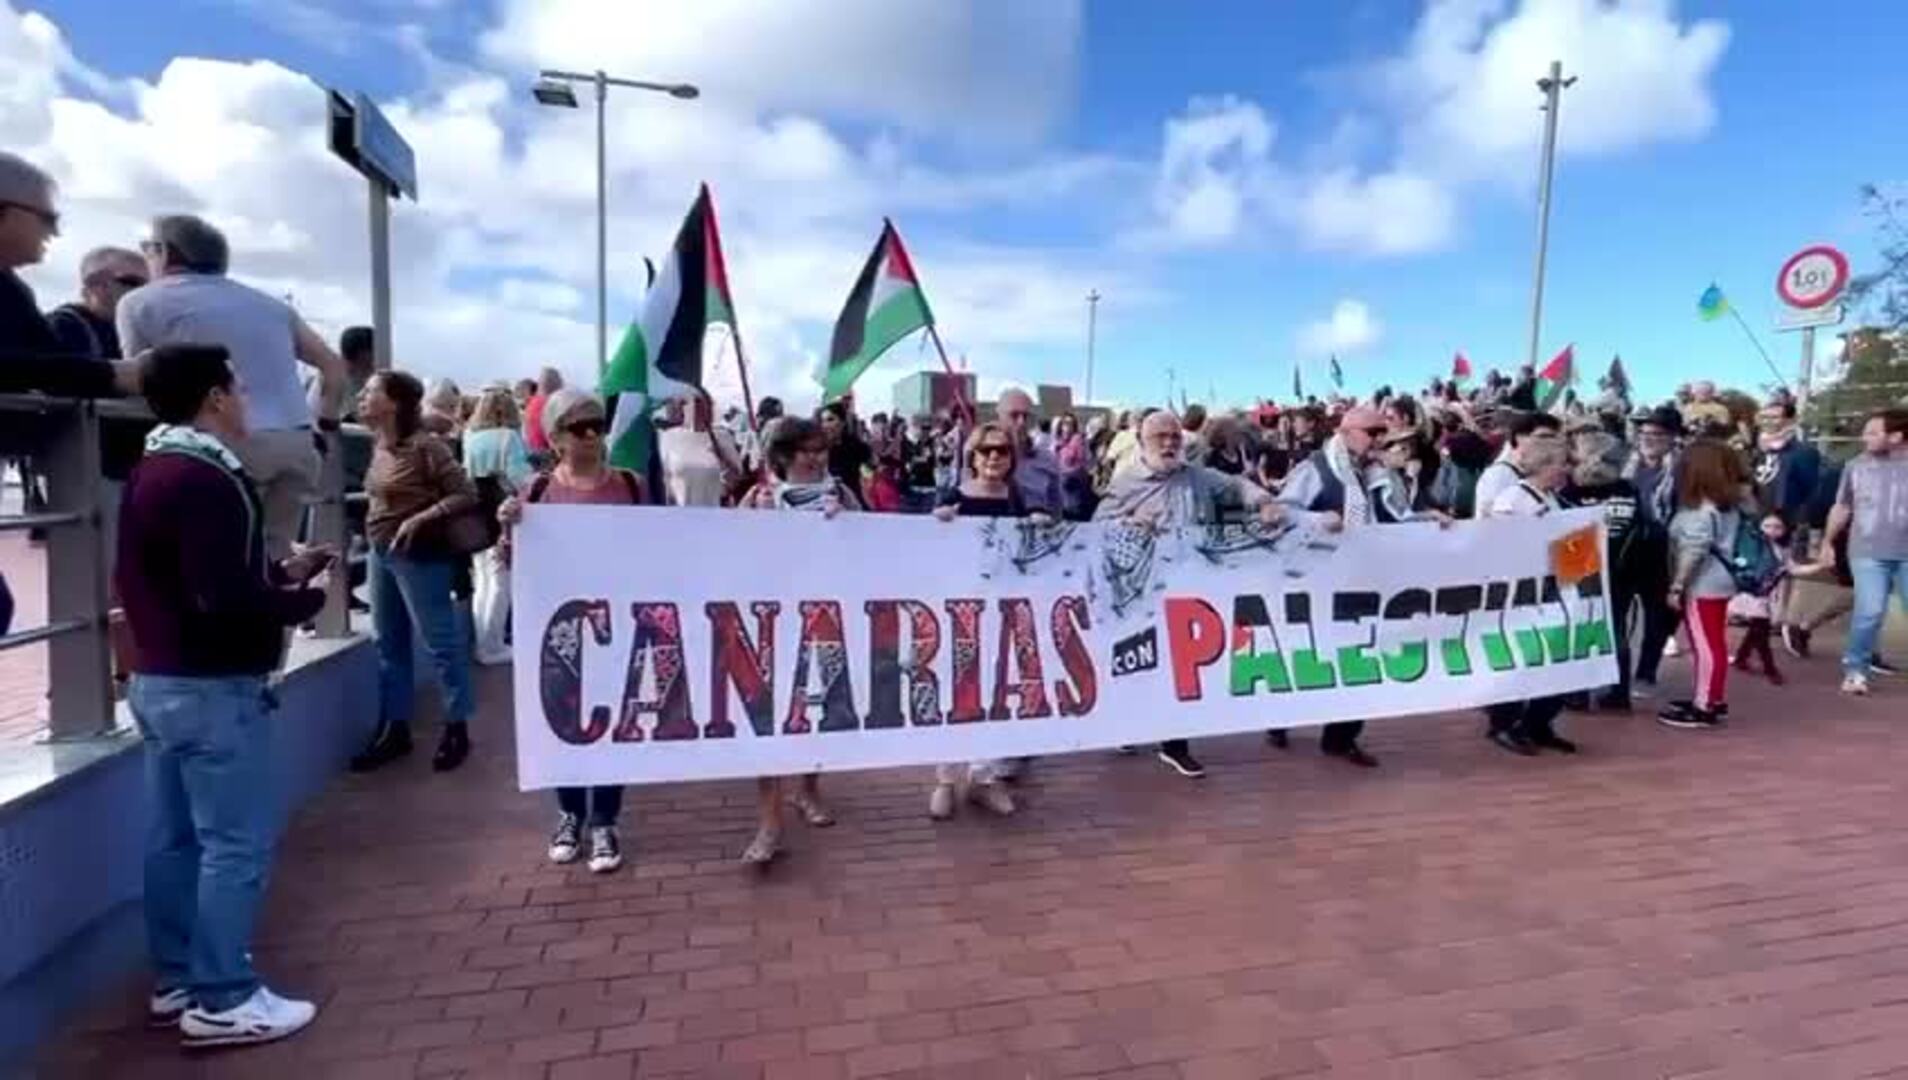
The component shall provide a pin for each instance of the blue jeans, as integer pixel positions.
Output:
(1874, 580)
(415, 595)
(214, 824)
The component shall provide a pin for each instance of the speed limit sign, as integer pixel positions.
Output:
(1812, 277)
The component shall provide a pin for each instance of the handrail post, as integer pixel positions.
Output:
(328, 527)
(79, 664)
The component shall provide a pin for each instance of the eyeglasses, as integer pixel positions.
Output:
(1377, 432)
(130, 281)
(1017, 414)
(584, 429)
(47, 217)
(994, 450)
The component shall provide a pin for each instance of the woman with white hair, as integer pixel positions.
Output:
(1525, 727)
(444, 410)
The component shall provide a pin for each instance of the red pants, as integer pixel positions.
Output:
(1706, 621)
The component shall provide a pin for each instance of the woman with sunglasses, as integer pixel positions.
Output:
(797, 451)
(987, 490)
(574, 423)
(414, 484)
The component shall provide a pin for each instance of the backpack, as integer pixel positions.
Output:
(1751, 560)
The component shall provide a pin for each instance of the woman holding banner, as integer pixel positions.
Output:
(575, 424)
(987, 490)
(1525, 727)
(798, 458)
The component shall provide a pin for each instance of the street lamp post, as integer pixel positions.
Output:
(1553, 87)
(554, 88)
(1093, 312)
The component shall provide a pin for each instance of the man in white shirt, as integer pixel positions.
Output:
(192, 301)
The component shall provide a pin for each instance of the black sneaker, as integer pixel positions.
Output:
(1352, 755)
(1554, 742)
(388, 745)
(567, 841)
(1613, 702)
(1181, 761)
(1878, 666)
(1689, 717)
(1512, 742)
(1278, 737)
(1795, 641)
(452, 748)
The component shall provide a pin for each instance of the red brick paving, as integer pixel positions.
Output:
(23, 670)
(1727, 905)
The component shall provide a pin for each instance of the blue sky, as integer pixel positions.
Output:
(1329, 155)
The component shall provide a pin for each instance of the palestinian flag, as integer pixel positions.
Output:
(1557, 374)
(661, 354)
(885, 306)
(1460, 368)
(1338, 374)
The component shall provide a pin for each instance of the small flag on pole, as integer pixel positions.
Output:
(1712, 305)
(1556, 375)
(1460, 368)
(1338, 374)
(1618, 379)
(1298, 388)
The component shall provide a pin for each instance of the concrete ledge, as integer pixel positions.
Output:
(72, 837)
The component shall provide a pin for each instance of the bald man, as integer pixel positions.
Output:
(1038, 473)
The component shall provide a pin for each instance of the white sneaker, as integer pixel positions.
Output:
(1672, 649)
(165, 1007)
(941, 802)
(1855, 684)
(1643, 689)
(993, 797)
(263, 1017)
(606, 854)
(567, 841)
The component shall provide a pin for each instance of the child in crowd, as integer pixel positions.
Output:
(1756, 609)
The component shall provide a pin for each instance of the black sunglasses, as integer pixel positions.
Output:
(130, 281)
(1377, 432)
(991, 449)
(583, 429)
(47, 217)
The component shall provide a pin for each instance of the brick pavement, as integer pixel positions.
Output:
(1730, 904)
(23, 670)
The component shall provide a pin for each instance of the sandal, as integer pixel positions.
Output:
(764, 848)
(813, 811)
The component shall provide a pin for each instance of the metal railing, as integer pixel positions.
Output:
(62, 440)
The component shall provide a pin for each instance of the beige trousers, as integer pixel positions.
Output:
(285, 467)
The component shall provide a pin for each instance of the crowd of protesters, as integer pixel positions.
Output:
(1712, 517)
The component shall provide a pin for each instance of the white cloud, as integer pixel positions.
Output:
(494, 271)
(1001, 69)
(1457, 111)
(1393, 213)
(1464, 92)
(1350, 328)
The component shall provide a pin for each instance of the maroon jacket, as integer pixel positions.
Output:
(199, 596)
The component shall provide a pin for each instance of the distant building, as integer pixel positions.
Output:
(932, 393)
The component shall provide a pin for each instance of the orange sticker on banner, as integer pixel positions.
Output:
(1576, 556)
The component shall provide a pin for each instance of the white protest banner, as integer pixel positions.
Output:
(681, 644)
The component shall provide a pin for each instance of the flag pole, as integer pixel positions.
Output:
(1751, 334)
(734, 338)
(960, 396)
